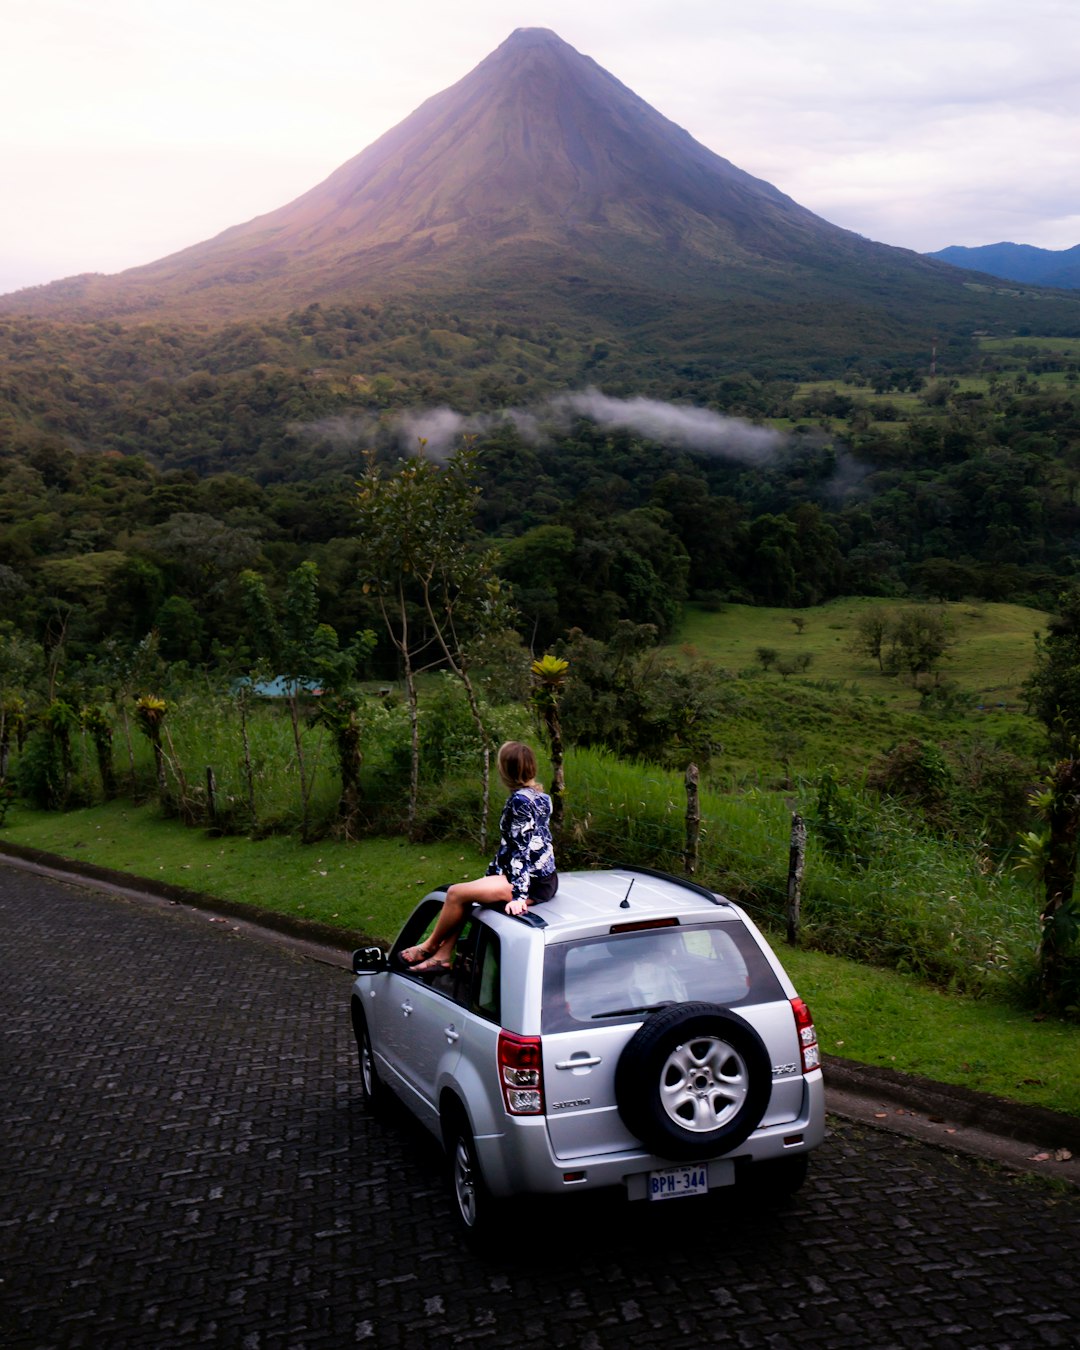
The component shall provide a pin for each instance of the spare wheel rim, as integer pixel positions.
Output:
(703, 1084)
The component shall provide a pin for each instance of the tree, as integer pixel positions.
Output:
(766, 656)
(871, 630)
(97, 722)
(549, 677)
(1054, 684)
(307, 656)
(918, 639)
(20, 662)
(437, 587)
(150, 714)
(1052, 856)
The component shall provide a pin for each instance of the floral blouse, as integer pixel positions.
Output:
(525, 849)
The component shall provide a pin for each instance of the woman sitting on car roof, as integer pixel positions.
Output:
(521, 873)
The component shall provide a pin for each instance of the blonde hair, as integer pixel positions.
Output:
(517, 765)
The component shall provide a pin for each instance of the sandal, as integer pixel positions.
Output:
(433, 965)
(419, 954)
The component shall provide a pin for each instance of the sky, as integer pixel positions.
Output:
(130, 129)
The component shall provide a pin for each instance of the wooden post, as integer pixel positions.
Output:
(211, 795)
(796, 862)
(693, 820)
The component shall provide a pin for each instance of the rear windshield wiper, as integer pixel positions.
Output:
(626, 1012)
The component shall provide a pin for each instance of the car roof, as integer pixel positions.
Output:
(593, 901)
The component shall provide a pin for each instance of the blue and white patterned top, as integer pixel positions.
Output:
(525, 848)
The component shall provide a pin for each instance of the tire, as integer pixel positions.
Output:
(371, 1084)
(476, 1210)
(693, 1082)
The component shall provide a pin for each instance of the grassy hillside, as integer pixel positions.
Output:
(992, 656)
(843, 711)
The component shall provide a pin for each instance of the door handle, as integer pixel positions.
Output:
(582, 1062)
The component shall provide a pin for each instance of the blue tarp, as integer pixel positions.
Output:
(279, 687)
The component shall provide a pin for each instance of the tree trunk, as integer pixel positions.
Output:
(693, 820)
(294, 715)
(249, 772)
(130, 746)
(1059, 876)
(558, 781)
(796, 863)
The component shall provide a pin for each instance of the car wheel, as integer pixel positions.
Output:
(473, 1204)
(693, 1082)
(372, 1084)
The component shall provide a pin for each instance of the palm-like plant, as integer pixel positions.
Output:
(150, 714)
(549, 678)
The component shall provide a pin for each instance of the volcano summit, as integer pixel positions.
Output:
(539, 180)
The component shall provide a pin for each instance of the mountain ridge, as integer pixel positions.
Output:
(1017, 262)
(539, 183)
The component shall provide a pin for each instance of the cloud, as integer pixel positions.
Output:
(676, 426)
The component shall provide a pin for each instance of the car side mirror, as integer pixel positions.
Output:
(368, 960)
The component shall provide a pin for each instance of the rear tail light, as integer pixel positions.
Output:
(521, 1074)
(808, 1046)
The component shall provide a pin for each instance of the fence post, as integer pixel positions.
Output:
(211, 795)
(693, 820)
(796, 862)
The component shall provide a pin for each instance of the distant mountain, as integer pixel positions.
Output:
(539, 187)
(1018, 262)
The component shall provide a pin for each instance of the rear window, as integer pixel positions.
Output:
(626, 975)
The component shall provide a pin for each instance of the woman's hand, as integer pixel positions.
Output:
(516, 906)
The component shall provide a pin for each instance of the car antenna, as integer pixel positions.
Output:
(624, 903)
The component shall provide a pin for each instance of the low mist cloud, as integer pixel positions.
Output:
(674, 425)
(671, 424)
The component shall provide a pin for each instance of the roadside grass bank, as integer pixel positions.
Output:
(862, 1013)
(366, 888)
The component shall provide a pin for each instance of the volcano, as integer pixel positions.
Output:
(539, 180)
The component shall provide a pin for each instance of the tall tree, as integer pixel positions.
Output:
(549, 677)
(1054, 684)
(1052, 856)
(307, 656)
(437, 587)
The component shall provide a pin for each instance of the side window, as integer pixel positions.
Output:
(485, 983)
(474, 978)
(419, 928)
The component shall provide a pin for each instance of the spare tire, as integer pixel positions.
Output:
(693, 1082)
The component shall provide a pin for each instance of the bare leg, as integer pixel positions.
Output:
(484, 891)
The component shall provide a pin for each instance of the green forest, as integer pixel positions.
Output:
(397, 515)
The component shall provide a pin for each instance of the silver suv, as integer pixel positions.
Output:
(636, 1031)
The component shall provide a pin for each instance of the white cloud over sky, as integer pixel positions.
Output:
(132, 128)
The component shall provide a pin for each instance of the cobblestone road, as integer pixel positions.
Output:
(185, 1162)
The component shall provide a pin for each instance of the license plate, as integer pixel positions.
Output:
(674, 1181)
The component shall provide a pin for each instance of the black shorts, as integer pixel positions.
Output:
(543, 888)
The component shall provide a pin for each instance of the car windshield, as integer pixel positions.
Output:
(629, 974)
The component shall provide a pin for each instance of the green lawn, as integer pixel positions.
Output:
(367, 888)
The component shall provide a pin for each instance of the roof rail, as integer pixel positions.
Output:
(678, 881)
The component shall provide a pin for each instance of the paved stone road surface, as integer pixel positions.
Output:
(185, 1162)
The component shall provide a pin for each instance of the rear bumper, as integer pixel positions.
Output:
(519, 1160)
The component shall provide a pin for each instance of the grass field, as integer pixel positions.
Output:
(992, 656)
